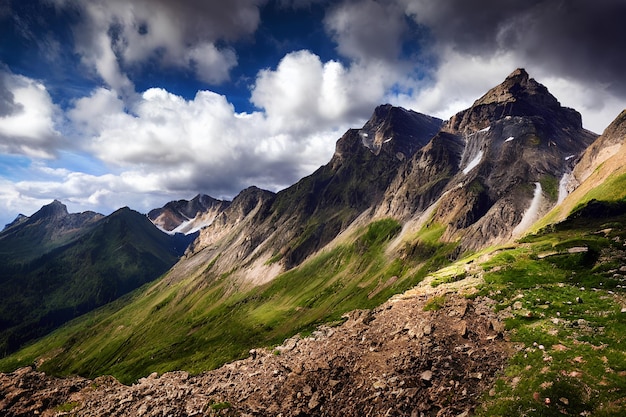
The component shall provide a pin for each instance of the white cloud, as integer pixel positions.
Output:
(90, 114)
(81, 192)
(117, 35)
(597, 103)
(211, 64)
(28, 124)
(304, 95)
(202, 144)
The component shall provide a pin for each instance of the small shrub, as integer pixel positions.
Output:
(435, 303)
(223, 405)
(67, 407)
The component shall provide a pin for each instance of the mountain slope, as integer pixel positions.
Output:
(254, 246)
(396, 202)
(599, 175)
(48, 228)
(57, 266)
(534, 328)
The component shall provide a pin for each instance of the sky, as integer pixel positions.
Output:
(113, 103)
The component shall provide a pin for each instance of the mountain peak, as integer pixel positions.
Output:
(399, 130)
(518, 95)
(519, 73)
(54, 210)
(518, 86)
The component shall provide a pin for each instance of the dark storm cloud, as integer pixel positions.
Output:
(367, 29)
(575, 38)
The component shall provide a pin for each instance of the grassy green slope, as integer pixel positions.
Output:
(200, 324)
(565, 308)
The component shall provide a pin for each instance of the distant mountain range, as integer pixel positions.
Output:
(57, 266)
(402, 197)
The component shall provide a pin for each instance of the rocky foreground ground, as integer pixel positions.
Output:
(419, 354)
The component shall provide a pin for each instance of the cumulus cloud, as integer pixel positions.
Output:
(116, 35)
(303, 94)
(203, 144)
(80, 191)
(27, 118)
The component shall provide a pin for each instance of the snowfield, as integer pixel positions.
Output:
(473, 163)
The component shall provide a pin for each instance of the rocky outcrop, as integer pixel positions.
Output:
(187, 216)
(398, 131)
(397, 360)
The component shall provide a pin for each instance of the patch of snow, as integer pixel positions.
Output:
(510, 138)
(474, 162)
(567, 158)
(363, 134)
(530, 216)
(485, 129)
(169, 232)
(387, 140)
(181, 227)
(563, 187)
(194, 225)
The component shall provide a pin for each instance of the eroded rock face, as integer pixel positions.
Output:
(480, 170)
(607, 145)
(397, 360)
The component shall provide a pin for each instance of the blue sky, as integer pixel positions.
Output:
(111, 103)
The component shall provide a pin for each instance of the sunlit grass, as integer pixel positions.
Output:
(167, 327)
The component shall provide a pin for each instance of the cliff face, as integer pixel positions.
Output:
(481, 172)
(278, 232)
